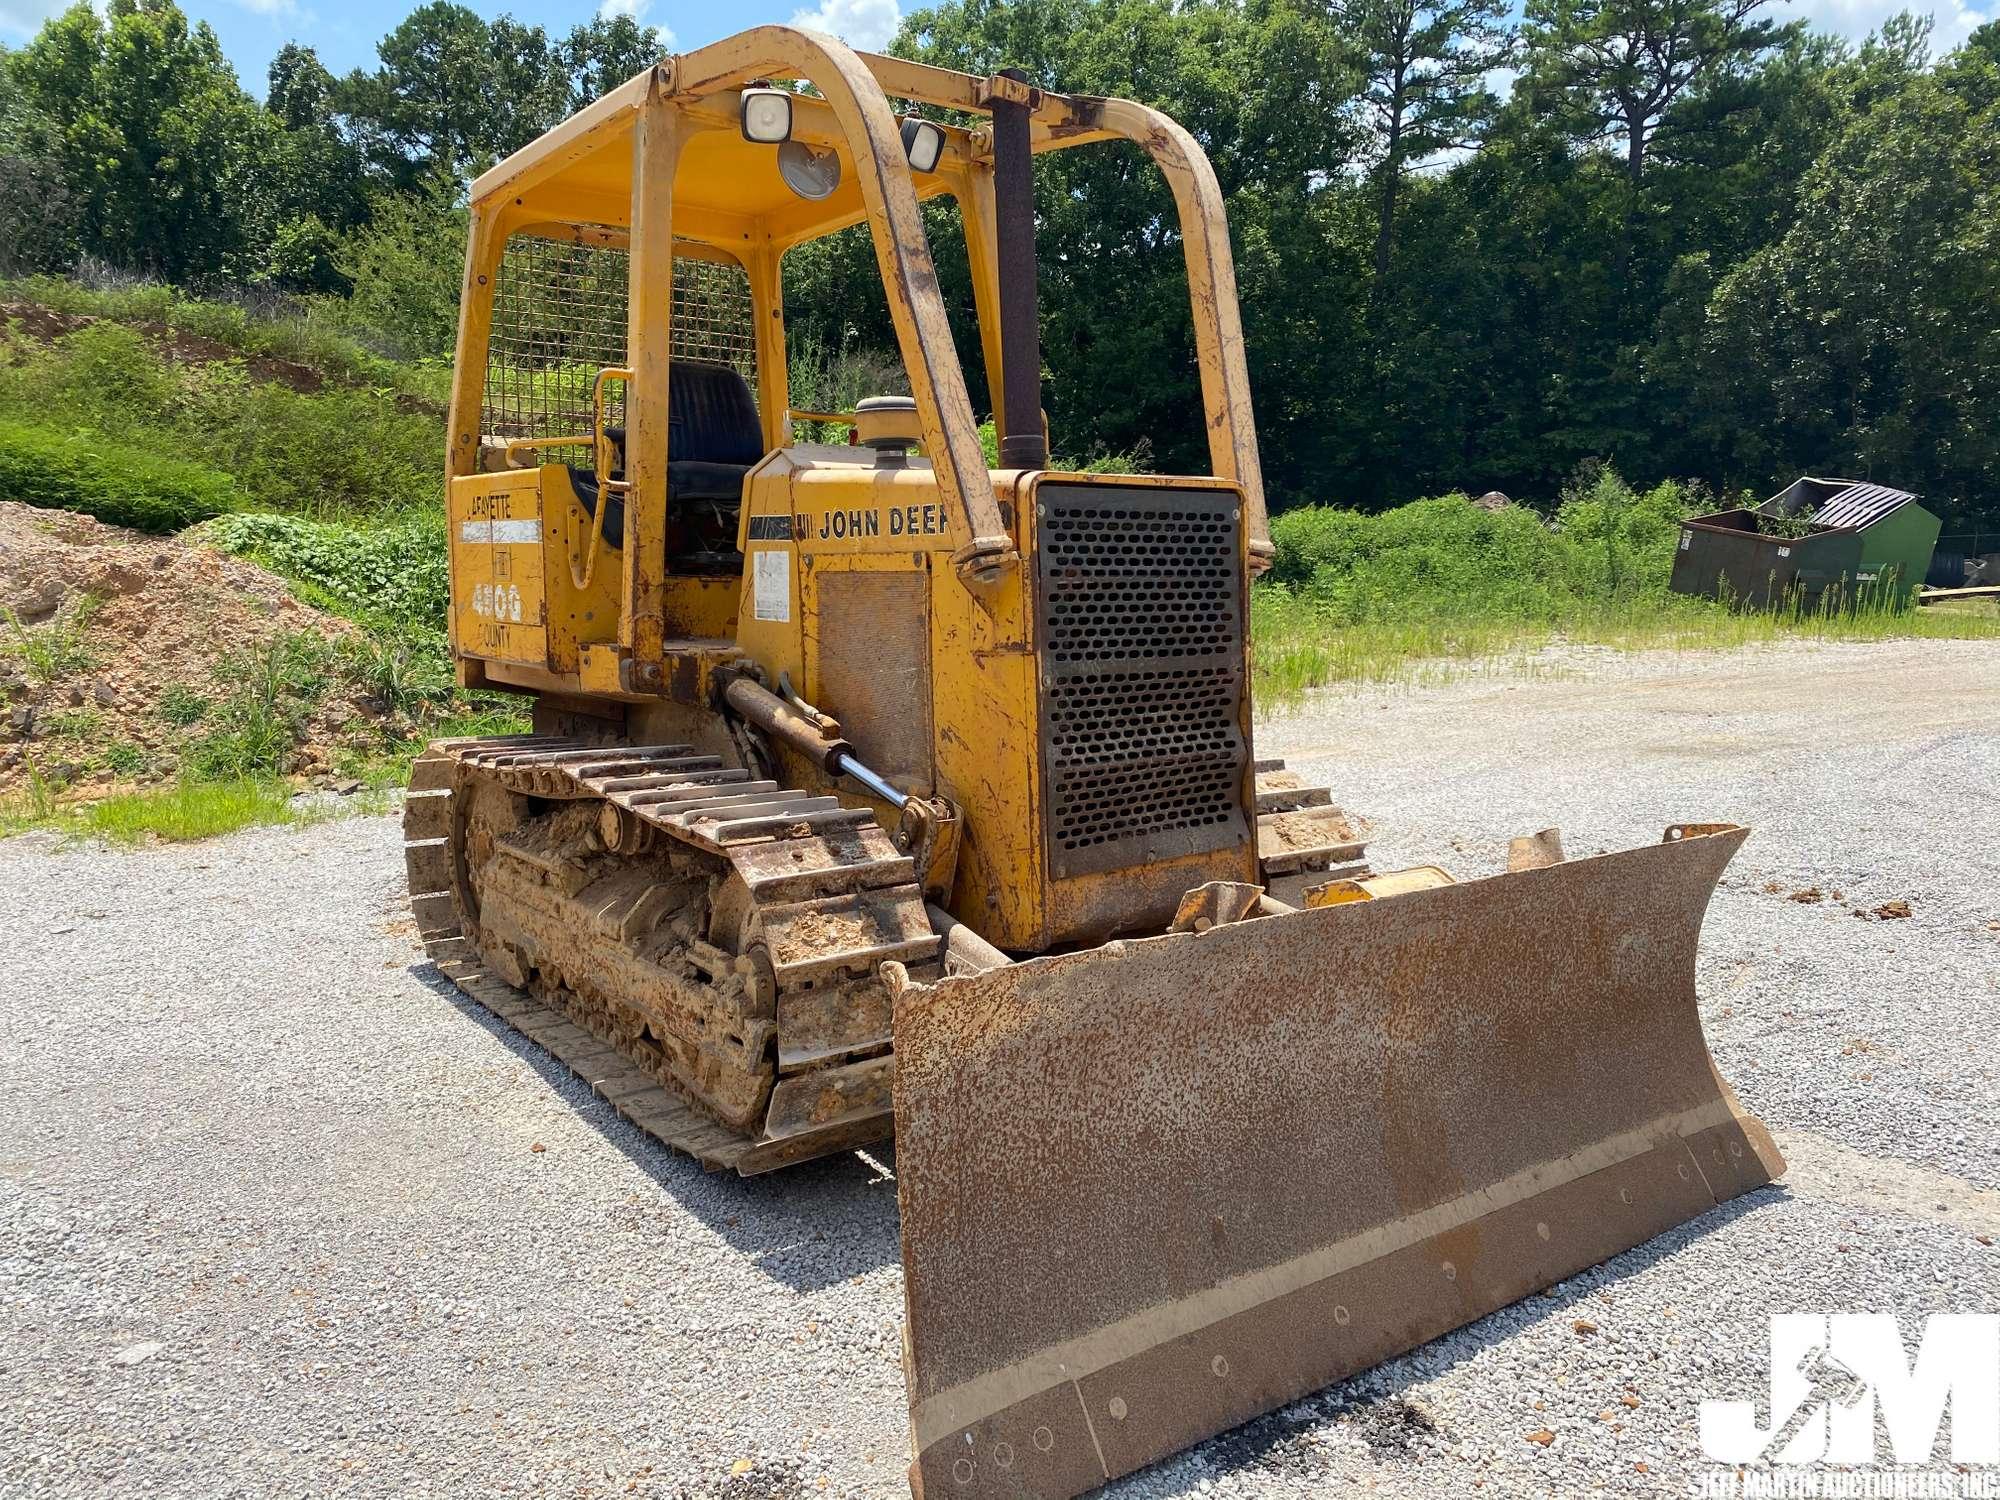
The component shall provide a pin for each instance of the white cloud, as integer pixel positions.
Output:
(637, 10)
(270, 7)
(1855, 19)
(868, 24)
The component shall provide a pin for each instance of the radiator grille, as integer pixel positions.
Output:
(1139, 605)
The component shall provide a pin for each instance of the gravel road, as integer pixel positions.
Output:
(281, 1213)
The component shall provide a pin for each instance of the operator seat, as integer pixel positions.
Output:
(713, 441)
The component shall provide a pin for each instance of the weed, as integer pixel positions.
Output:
(124, 758)
(78, 726)
(181, 705)
(256, 729)
(33, 808)
(406, 675)
(394, 573)
(54, 649)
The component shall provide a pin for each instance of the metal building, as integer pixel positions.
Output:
(1813, 535)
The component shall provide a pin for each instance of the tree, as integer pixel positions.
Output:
(40, 214)
(298, 89)
(1867, 336)
(308, 181)
(1264, 87)
(1614, 69)
(431, 105)
(603, 52)
(154, 135)
(1425, 63)
(455, 93)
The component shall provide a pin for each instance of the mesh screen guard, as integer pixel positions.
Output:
(559, 316)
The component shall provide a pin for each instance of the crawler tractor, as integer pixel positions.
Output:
(876, 790)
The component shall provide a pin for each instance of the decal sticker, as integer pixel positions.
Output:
(771, 586)
(500, 533)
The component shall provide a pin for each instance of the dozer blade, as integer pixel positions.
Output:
(1155, 1189)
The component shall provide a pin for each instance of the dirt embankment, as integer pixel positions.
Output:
(177, 346)
(118, 649)
(45, 325)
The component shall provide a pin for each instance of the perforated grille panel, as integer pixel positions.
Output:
(1139, 609)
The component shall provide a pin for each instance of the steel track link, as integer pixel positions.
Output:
(802, 857)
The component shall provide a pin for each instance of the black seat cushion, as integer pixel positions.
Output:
(713, 440)
(711, 415)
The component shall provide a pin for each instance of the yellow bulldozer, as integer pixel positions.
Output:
(875, 789)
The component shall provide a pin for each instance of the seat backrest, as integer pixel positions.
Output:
(711, 415)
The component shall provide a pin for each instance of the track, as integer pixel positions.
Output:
(604, 958)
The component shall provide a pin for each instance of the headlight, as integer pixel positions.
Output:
(767, 116)
(923, 143)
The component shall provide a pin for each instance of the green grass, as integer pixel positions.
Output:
(101, 421)
(1296, 647)
(183, 811)
(186, 810)
(59, 468)
(1440, 587)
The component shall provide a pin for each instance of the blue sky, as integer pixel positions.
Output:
(345, 31)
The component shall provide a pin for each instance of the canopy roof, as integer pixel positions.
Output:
(727, 190)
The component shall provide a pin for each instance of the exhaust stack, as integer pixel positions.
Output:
(1023, 442)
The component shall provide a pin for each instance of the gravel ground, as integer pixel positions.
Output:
(272, 1220)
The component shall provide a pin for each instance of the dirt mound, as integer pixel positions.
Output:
(117, 649)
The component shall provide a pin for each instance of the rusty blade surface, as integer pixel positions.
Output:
(1152, 1190)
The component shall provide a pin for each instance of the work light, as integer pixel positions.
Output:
(767, 116)
(923, 143)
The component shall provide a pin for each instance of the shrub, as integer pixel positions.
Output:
(310, 330)
(405, 265)
(114, 481)
(1450, 559)
(1430, 557)
(340, 452)
(392, 572)
(106, 375)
